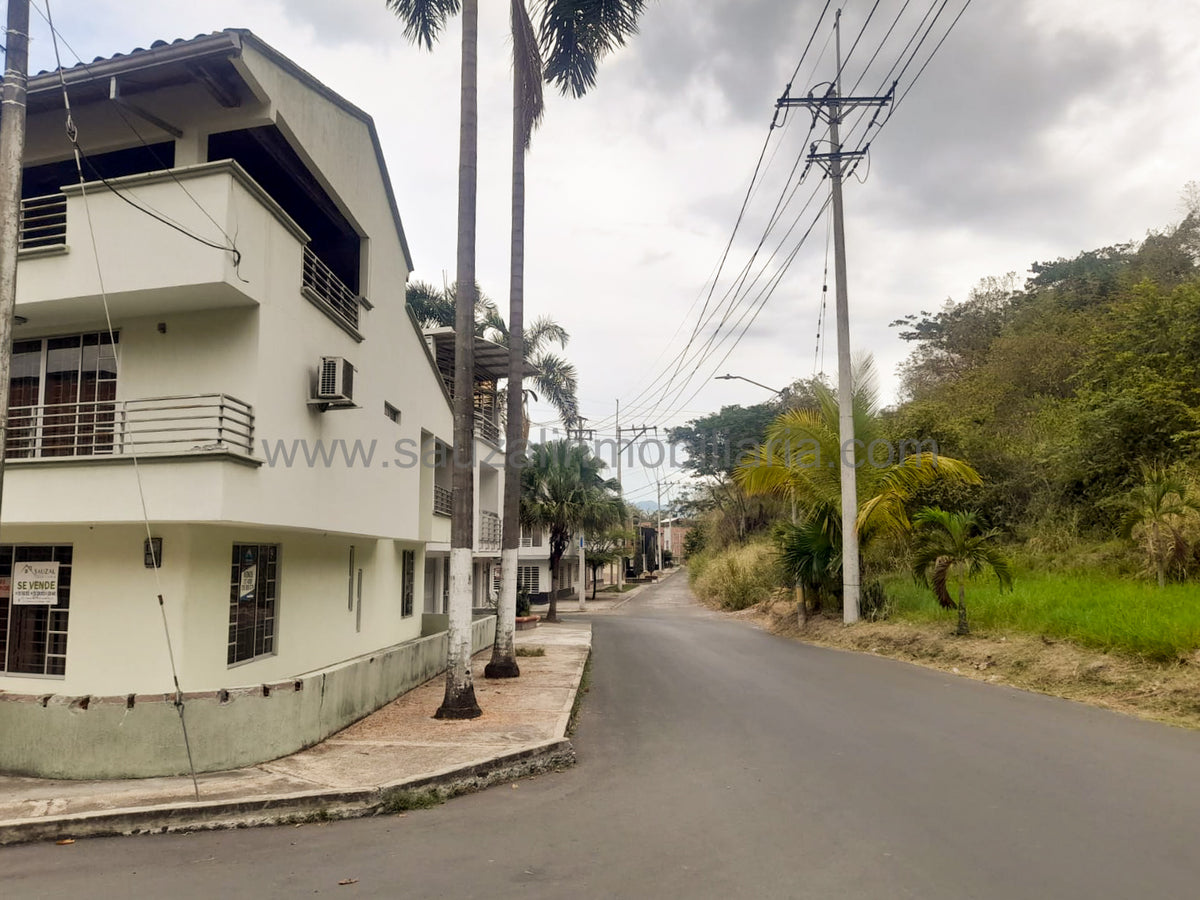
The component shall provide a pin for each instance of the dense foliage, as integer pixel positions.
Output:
(1058, 391)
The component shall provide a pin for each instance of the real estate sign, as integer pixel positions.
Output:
(247, 583)
(35, 584)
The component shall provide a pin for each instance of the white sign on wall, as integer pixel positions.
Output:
(35, 584)
(249, 581)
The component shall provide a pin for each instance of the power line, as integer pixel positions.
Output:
(72, 135)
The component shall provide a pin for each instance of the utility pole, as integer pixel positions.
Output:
(12, 151)
(624, 511)
(830, 107)
(658, 543)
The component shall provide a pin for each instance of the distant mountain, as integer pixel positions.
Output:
(647, 506)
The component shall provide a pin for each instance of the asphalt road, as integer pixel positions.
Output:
(719, 761)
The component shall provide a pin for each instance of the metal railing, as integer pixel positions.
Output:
(151, 426)
(489, 530)
(328, 290)
(443, 501)
(487, 428)
(43, 222)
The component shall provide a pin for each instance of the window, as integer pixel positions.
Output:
(61, 396)
(33, 639)
(531, 537)
(391, 412)
(253, 591)
(528, 579)
(408, 581)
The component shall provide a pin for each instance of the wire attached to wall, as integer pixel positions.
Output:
(73, 136)
(231, 244)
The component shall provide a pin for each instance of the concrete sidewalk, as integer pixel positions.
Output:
(356, 772)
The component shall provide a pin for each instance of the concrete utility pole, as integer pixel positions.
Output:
(621, 560)
(658, 542)
(831, 107)
(12, 151)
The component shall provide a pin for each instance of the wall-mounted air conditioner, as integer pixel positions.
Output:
(335, 383)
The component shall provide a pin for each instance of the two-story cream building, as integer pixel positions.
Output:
(233, 364)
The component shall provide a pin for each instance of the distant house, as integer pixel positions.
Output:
(262, 394)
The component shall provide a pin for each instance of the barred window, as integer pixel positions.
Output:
(528, 579)
(409, 559)
(33, 639)
(253, 591)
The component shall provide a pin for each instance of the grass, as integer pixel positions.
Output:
(530, 651)
(1094, 610)
(585, 685)
(403, 800)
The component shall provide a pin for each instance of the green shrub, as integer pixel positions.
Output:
(736, 578)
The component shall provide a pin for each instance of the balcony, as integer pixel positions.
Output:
(192, 425)
(148, 268)
(443, 501)
(486, 428)
(329, 293)
(43, 226)
(489, 531)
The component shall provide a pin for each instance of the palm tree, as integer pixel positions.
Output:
(801, 461)
(574, 36)
(810, 551)
(555, 379)
(563, 492)
(423, 23)
(435, 308)
(1155, 508)
(952, 544)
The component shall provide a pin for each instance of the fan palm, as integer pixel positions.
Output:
(564, 492)
(952, 545)
(556, 380)
(1155, 508)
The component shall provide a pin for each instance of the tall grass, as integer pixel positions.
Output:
(1095, 610)
(737, 577)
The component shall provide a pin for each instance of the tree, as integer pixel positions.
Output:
(602, 548)
(423, 23)
(435, 308)
(1155, 508)
(574, 36)
(951, 544)
(801, 460)
(555, 378)
(563, 491)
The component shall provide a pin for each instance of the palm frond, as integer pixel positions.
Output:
(423, 19)
(577, 34)
(559, 384)
(527, 73)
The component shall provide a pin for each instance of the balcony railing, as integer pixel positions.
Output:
(443, 501)
(328, 291)
(152, 426)
(489, 530)
(486, 428)
(43, 222)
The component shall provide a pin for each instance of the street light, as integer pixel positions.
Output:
(751, 380)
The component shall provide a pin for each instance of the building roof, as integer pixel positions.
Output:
(207, 58)
(491, 359)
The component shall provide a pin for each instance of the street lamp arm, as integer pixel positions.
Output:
(751, 380)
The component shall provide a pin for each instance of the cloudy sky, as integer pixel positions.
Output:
(1041, 128)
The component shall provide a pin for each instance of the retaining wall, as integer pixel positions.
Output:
(138, 736)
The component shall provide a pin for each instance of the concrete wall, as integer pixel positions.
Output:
(56, 736)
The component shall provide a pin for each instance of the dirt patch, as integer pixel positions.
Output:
(1163, 692)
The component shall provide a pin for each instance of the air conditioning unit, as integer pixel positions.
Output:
(335, 382)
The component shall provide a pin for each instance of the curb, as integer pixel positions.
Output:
(306, 806)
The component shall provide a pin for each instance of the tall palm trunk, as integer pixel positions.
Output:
(504, 663)
(459, 701)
